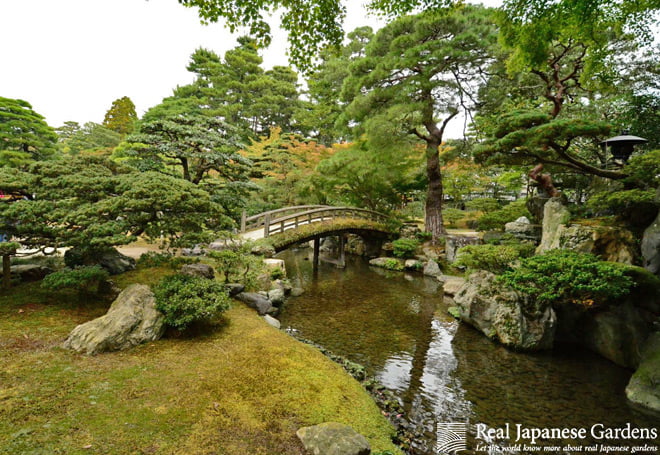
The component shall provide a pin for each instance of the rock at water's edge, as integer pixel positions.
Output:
(498, 313)
(643, 388)
(651, 243)
(432, 269)
(256, 301)
(451, 284)
(333, 438)
(272, 321)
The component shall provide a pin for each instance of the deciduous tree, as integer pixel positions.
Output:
(121, 116)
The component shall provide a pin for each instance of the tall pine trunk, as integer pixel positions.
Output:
(434, 194)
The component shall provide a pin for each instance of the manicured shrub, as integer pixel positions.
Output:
(637, 207)
(496, 220)
(83, 278)
(494, 258)
(277, 274)
(237, 264)
(644, 170)
(405, 248)
(154, 259)
(424, 236)
(393, 264)
(185, 299)
(561, 277)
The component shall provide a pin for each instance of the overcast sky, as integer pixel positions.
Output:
(71, 59)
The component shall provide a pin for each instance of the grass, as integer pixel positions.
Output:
(238, 387)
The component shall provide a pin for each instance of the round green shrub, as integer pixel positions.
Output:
(405, 248)
(496, 220)
(79, 277)
(636, 206)
(154, 259)
(185, 299)
(494, 258)
(566, 277)
(393, 264)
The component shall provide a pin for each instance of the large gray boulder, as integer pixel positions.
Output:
(257, 302)
(431, 268)
(453, 243)
(643, 387)
(651, 244)
(199, 270)
(333, 438)
(617, 333)
(276, 296)
(609, 243)
(110, 259)
(523, 229)
(451, 284)
(504, 315)
(555, 214)
(131, 320)
(116, 263)
(30, 272)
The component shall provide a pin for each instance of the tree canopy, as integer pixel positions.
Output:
(89, 138)
(417, 74)
(239, 91)
(24, 134)
(93, 203)
(121, 116)
(314, 25)
(192, 145)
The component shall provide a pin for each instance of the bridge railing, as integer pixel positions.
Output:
(318, 214)
(251, 223)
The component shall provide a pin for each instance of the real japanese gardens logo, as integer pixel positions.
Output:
(452, 437)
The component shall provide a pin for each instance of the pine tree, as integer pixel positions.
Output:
(24, 135)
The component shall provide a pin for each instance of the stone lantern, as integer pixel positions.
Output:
(622, 146)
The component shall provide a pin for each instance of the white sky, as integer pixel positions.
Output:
(71, 59)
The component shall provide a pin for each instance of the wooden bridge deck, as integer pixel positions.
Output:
(277, 221)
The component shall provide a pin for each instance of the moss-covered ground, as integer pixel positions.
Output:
(238, 386)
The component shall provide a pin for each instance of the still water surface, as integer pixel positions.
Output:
(397, 326)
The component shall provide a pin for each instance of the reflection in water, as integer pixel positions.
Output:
(397, 326)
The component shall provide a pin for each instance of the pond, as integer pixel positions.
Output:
(397, 326)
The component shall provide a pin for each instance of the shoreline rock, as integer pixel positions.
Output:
(500, 314)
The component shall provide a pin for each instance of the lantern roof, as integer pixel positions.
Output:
(624, 139)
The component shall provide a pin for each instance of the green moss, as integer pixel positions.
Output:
(241, 387)
(454, 311)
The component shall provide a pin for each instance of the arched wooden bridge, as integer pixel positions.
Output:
(288, 226)
(277, 221)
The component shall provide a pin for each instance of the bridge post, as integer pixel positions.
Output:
(342, 254)
(243, 221)
(266, 225)
(317, 248)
